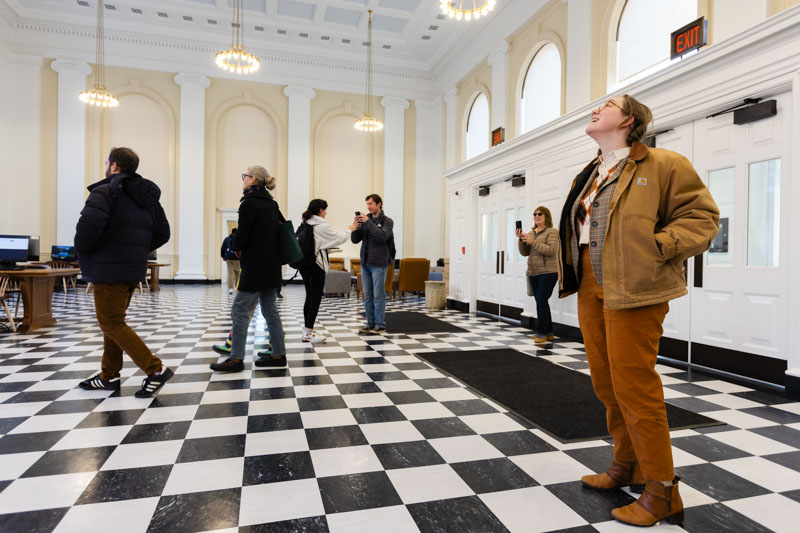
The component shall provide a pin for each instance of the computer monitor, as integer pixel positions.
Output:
(33, 248)
(62, 253)
(13, 248)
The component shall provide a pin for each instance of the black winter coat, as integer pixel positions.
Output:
(257, 239)
(225, 252)
(120, 224)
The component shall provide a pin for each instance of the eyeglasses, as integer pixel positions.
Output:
(538, 214)
(606, 104)
(244, 176)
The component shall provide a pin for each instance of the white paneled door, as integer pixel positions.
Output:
(501, 269)
(743, 302)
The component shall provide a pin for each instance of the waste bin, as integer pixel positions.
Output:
(434, 295)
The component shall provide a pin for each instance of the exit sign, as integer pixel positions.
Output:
(690, 37)
(498, 136)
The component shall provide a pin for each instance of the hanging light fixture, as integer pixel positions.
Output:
(449, 8)
(235, 59)
(369, 123)
(99, 96)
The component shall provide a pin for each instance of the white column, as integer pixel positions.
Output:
(429, 210)
(191, 176)
(579, 53)
(393, 164)
(793, 359)
(71, 150)
(450, 98)
(498, 60)
(299, 171)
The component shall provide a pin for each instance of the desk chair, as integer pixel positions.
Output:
(3, 297)
(64, 264)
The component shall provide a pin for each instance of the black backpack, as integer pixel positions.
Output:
(305, 237)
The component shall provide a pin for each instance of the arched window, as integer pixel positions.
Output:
(478, 127)
(541, 90)
(643, 36)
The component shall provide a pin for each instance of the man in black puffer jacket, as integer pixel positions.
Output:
(256, 244)
(120, 224)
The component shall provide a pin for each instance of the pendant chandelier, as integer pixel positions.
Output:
(98, 96)
(235, 59)
(369, 123)
(449, 8)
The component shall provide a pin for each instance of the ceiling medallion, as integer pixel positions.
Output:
(369, 123)
(449, 8)
(236, 59)
(99, 96)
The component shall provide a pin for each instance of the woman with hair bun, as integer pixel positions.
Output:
(631, 218)
(325, 237)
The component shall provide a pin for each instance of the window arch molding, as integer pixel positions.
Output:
(480, 89)
(545, 38)
(612, 19)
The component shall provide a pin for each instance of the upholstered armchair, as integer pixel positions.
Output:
(337, 263)
(413, 275)
(337, 282)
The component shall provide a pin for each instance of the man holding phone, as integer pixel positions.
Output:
(375, 233)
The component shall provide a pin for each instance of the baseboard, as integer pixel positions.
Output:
(674, 349)
(792, 386)
(750, 365)
(457, 305)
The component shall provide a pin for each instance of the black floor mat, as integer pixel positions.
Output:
(411, 322)
(557, 400)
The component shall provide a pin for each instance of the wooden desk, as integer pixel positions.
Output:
(36, 285)
(154, 274)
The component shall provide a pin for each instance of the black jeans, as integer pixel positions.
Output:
(542, 286)
(314, 280)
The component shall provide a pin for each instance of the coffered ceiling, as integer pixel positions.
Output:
(413, 41)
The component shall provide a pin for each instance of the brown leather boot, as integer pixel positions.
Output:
(618, 475)
(657, 502)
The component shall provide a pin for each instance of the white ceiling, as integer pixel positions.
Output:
(407, 33)
(417, 52)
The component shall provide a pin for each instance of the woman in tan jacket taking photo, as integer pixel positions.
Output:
(540, 245)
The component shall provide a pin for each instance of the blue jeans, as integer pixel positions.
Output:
(242, 313)
(373, 280)
(542, 286)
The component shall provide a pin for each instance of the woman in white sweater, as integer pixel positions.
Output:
(325, 237)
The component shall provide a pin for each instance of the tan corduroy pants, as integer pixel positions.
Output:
(621, 347)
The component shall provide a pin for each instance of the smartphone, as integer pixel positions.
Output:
(358, 213)
(519, 224)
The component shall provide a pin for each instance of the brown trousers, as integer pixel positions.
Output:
(111, 300)
(621, 347)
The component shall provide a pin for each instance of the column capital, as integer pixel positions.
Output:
(66, 65)
(394, 101)
(499, 53)
(187, 78)
(295, 91)
(450, 93)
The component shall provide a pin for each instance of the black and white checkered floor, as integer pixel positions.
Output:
(356, 435)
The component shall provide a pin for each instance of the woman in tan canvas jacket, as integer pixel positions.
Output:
(632, 216)
(540, 246)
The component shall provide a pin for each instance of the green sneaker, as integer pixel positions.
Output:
(222, 349)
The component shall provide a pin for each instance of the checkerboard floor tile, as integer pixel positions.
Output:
(355, 435)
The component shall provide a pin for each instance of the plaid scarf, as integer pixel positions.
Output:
(585, 208)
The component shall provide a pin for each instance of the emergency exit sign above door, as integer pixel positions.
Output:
(690, 37)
